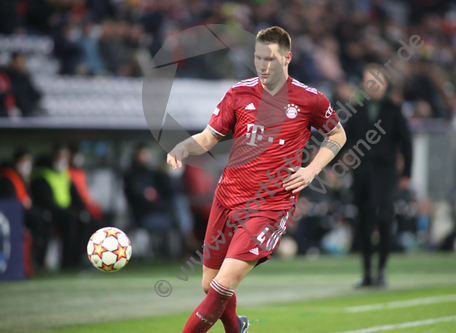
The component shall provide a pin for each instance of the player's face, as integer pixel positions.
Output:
(270, 63)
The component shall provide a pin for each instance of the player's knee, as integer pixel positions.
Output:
(205, 284)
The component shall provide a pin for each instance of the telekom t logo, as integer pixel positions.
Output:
(252, 130)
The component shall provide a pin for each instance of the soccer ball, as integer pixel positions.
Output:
(109, 249)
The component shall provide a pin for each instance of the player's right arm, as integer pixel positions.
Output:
(196, 145)
(221, 122)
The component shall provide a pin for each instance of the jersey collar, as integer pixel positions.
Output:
(262, 90)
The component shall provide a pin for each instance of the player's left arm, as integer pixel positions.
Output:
(331, 145)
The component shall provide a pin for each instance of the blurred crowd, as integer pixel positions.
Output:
(54, 192)
(332, 40)
(56, 201)
(167, 210)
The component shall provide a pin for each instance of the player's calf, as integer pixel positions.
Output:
(210, 309)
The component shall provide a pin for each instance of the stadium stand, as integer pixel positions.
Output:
(89, 58)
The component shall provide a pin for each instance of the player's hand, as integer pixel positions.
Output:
(176, 156)
(299, 179)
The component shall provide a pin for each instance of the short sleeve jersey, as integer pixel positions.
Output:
(269, 133)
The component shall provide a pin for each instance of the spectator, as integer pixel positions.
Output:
(8, 105)
(151, 199)
(67, 51)
(26, 95)
(8, 16)
(53, 192)
(421, 89)
(14, 183)
(139, 42)
(149, 193)
(327, 60)
(14, 177)
(89, 42)
(114, 49)
(39, 15)
(181, 206)
(79, 179)
(88, 212)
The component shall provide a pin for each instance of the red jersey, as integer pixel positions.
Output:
(267, 130)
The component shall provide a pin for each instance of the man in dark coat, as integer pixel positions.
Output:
(26, 95)
(379, 121)
(149, 192)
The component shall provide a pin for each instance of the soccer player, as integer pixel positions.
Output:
(271, 117)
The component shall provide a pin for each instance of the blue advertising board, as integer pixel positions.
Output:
(11, 240)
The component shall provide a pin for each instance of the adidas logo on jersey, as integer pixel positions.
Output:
(250, 107)
(255, 251)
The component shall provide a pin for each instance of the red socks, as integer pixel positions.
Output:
(229, 317)
(210, 309)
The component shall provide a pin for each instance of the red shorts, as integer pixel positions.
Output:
(244, 238)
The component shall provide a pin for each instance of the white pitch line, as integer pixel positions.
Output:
(403, 325)
(401, 304)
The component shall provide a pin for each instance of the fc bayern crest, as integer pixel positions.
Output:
(292, 111)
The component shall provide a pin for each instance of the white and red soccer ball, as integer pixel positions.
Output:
(109, 249)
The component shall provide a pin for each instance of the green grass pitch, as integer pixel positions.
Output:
(296, 295)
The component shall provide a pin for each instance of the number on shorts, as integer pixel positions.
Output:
(261, 237)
